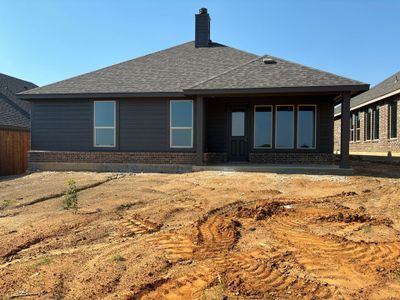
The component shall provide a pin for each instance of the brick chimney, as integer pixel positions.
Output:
(202, 29)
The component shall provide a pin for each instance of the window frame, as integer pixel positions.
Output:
(357, 126)
(376, 110)
(254, 126)
(315, 126)
(276, 127)
(352, 127)
(368, 118)
(104, 127)
(171, 128)
(394, 103)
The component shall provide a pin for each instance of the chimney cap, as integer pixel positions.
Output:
(202, 10)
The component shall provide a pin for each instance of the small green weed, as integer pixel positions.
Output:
(4, 204)
(118, 258)
(42, 261)
(71, 196)
(366, 228)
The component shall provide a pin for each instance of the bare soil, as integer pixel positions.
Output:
(205, 235)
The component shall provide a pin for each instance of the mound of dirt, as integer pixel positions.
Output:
(260, 212)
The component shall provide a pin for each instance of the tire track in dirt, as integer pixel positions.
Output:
(258, 272)
(252, 273)
(188, 286)
(134, 225)
(334, 260)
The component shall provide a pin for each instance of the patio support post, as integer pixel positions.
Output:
(345, 132)
(199, 129)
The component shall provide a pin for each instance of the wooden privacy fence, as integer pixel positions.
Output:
(14, 147)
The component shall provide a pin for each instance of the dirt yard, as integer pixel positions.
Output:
(206, 235)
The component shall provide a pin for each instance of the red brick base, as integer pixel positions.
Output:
(113, 157)
(173, 157)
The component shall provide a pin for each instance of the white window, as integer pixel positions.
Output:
(262, 126)
(104, 123)
(181, 124)
(306, 126)
(284, 128)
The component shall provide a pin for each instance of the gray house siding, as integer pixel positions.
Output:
(62, 125)
(142, 125)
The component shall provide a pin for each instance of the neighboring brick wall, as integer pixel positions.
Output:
(384, 144)
(113, 157)
(294, 157)
(215, 157)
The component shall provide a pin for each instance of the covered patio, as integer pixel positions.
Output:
(270, 130)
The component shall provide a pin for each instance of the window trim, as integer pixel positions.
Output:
(357, 128)
(368, 117)
(395, 102)
(180, 128)
(376, 108)
(315, 127)
(104, 127)
(352, 127)
(254, 125)
(276, 127)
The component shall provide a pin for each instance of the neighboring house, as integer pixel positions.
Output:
(375, 120)
(14, 126)
(195, 103)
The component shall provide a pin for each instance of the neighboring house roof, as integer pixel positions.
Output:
(387, 88)
(184, 68)
(14, 113)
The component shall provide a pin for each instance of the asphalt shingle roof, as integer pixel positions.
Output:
(280, 73)
(170, 70)
(186, 67)
(387, 86)
(13, 111)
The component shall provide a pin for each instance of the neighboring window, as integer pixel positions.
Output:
(368, 127)
(393, 119)
(352, 121)
(284, 127)
(238, 119)
(181, 124)
(104, 123)
(262, 126)
(375, 130)
(358, 126)
(306, 118)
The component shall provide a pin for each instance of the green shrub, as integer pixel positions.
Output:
(71, 196)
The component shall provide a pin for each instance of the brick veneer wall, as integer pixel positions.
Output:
(295, 157)
(384, 144)
(113, 157)
(215, 157)
(172, 157)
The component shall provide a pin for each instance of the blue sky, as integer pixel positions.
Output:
(44, 41)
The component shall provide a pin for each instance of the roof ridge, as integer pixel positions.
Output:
(17, 79)
(386, 80)
(315, 69)
(225, 72)
(105, 68)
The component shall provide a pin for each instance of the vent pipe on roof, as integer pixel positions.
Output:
(202, 30)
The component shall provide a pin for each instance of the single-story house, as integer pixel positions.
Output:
(14, 126)
(200, 102)
(374, 120)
